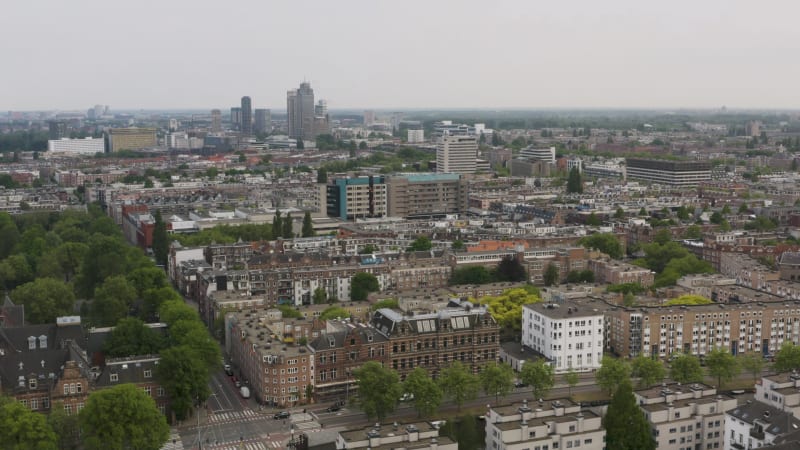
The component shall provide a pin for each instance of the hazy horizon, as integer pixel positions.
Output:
(464, 55)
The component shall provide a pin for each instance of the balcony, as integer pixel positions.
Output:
(737, 445)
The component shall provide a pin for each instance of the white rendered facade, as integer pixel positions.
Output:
(548, 425)
(756, 425)
(542, 154)
(87, 146)
(568, 336)
(416, 136)
(457, 154)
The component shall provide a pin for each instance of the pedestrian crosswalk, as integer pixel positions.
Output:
(310, 425)
(247, 446)
(232, 416)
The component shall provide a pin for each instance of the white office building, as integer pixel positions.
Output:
(546, 425)
(567, 334)
(539, 154)
(416, 136)
(88, 146)
(457, 154)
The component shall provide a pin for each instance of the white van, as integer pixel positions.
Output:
(245, 391)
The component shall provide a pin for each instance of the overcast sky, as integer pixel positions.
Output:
(59, 54)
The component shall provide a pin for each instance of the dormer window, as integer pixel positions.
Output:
(31, 343)
(42, 341)
(114, 377)
(32, 383)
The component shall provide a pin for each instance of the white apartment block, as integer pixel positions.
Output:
(416, 436)
(457, 154)
(540, 154)
(416, 136)
(547, 425)
(780, 390)
(687, 417)
(568, 335)
(87, 146)
(756, 425)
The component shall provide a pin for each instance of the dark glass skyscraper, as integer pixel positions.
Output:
(247, 116)
(300, 110)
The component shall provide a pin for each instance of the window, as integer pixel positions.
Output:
(79, 388)
(148, 390)
(148, 373)
(32, 383)
(34, 404)
(114, 377)
(66, 385)
(68, 409)
(72, 388)
(160, 392)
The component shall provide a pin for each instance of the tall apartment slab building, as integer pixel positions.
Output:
(427, 195)
(669, 173)
(457, 154)
(130, 139)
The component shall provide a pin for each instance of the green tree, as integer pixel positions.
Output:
(132, 337)
(277, 229)
(185, 376)
(662, 236)
(574, 182)
(726, 209)
(44, 300)
(334, 312)
(361, 285)
(175, 310)
(66, 427)
(160, 240)
(106, 257)
(308, 226)
(379, 389)
(427, 394)
(625, 424)
(458, 384)
(506, 308)
(688, 299)
(122, 416)
(787, 358)
(716, 218)
(15, 271)
(212, 172)
(69, 256)
(649, 371)
(112, 301)
(510, 269)
(612, 373)
(743, 208)
(153, 298)
(497, 380)
(193, 334)
(572, 378)
(752, 363)
(471, 275)
(320, 296)
(421, 244)
(593, 220)
(551, 275)
(683, 213)
(686, 369)
(288, 232)
(605, 242)
(146, 278)
(619, 213)
(642, 211)
(693, 232)
(23, 429)
(458, 245)
(722, 365)
(539, 376)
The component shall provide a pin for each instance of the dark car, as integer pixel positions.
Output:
(333, 408)
(281, 415)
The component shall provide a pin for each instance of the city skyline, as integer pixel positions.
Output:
(616, 54)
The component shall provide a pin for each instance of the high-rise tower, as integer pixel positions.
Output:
(300, 112)
(247, 116)
(216, 121)
(263, 122)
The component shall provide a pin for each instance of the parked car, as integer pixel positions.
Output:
(519, 384)
(228, 370)
(281, 415)
(333, 408)
(245, 391)
(237, 383)
(407, 397)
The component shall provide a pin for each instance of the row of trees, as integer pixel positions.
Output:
(509, 269)
(119, 417)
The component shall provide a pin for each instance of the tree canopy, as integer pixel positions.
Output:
(506, 308)
(497, 380)
(607, 243)
(44, 300)
(379, 389)
(649, 371)
(722, 365)
(788, 357)
(458, 384)
(361, 285)
(131, 336)
(334, 312)
(123, 416)
(625, 424)
(688, 299)
(23, 429)
(612, 373)
(421, 244)
(426, 393)
(686, 369)
(539, 375)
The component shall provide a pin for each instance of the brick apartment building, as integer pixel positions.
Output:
(433, 341)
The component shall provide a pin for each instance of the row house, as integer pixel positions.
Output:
(344, 347)
(228, 256)
(137, 370)
(44, 365)
(685, 416)
(780, 390)
(610, 271)
(746, 270)
(547, 425)
(433, 341)
(279, 373)
(760, 327)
